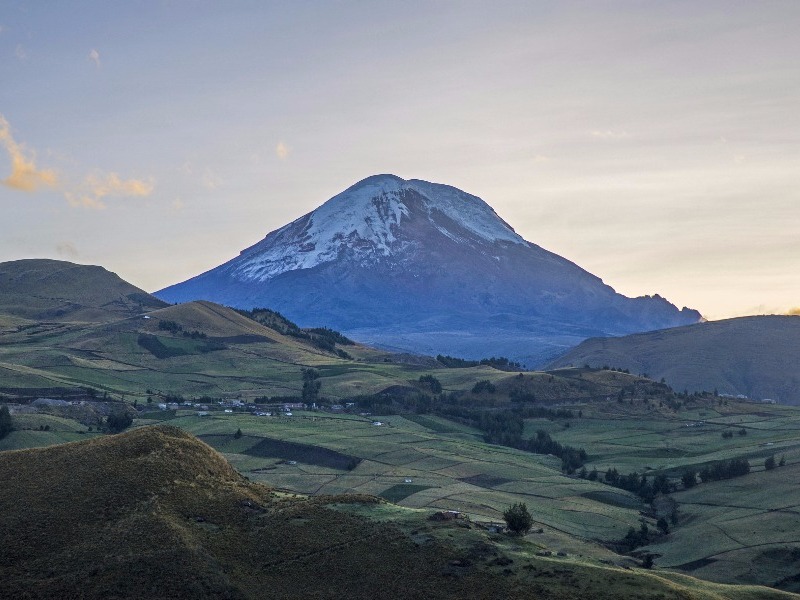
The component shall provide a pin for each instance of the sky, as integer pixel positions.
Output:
(655, 144)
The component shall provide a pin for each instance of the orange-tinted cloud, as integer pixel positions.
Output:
(795, 312)
(282, 150)
(27, 177)
(96, 187)
(24, 175)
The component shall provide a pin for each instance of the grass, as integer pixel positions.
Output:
(156, 513)
(401, 491)
(452, 468)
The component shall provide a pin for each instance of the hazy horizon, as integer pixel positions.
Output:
(654, 145)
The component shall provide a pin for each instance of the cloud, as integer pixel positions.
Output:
(282, 150)
(96, 187)
(610, 135)
(67, 249)
(20, 53)
(94, 56)
(795, 312)
(210, 180)
(25, 176)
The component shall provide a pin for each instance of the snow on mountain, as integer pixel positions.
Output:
(426, 267)
(366, 218)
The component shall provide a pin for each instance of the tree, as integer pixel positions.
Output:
(689, 479)
(518, 519)
(118, 421)
(311, 384)
(238, 433)
(783, 461)
(769, 464)
(434, 384)
(663, 525)
(6, 425)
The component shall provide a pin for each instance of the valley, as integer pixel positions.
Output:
(425, 463)
(600, 456)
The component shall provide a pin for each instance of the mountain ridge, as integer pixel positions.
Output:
(57, 290)
(755, 356)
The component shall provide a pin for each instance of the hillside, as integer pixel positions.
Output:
(53, 290)
(193, 349)
(154, 513)
(757, 357)
(423, 267)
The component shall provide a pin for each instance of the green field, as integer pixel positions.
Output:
(427, 462)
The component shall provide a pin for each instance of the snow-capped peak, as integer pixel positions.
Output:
(366, 219)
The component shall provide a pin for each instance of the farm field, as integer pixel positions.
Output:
(748, 524)
(213, 534)
(231, 356)
(632, 438)
(426, 462)
(417, 467)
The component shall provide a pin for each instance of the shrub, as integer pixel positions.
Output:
(484, 385)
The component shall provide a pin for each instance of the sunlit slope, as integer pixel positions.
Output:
(192, 349)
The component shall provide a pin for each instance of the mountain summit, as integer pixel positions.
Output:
(425, 267)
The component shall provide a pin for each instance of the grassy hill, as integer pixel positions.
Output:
(758, 357)
(53, 290)
(154, 513)
(194, 349)
(67, 328)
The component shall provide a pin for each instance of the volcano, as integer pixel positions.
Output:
(427, 268)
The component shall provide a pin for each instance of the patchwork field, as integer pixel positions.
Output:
(427, 462)
(416, 466)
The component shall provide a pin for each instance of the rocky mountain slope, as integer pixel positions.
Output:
(428, 268)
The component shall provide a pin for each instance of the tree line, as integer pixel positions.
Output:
(501, 363)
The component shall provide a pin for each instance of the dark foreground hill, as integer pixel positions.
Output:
(155, 513)
(758, 357)
(425, 267)
(54, 290)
